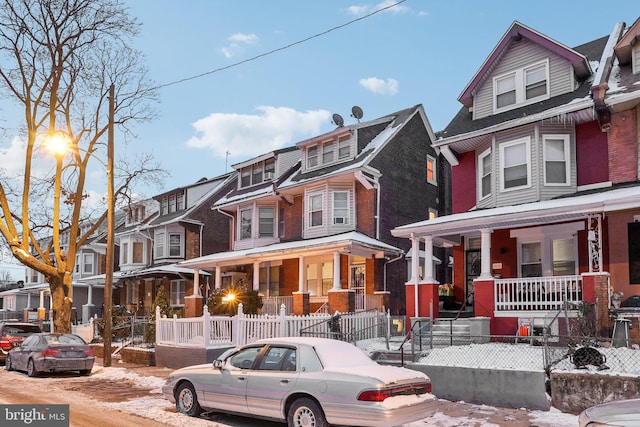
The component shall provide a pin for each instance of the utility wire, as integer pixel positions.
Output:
(253, 58)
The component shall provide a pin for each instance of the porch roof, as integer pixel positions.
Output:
(448, 229)
(160, 270)
(351, 243)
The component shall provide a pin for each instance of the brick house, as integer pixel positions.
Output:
(311, 223)
(545, 190)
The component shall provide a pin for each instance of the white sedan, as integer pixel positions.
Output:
(305, 382)
(619, 413)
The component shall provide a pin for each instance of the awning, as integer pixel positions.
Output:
(159, 270)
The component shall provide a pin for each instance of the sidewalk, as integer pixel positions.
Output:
(149, 371)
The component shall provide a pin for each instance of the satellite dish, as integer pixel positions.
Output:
(338, 120)
(357, 112)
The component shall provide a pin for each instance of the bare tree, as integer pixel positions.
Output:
(59, 59)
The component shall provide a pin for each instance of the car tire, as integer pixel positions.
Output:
(187, 400)
(31, 369)
(85, 372)
(305, 412)
(7, 363)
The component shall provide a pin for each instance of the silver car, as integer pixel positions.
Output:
(305, 382)
(619, 413)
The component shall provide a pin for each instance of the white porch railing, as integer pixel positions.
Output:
(216, 331)
(271, 305)
(536, 293)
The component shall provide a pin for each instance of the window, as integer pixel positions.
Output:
(138, 251)
(177, 292)
(270, 166)
(125, 253)
(315, 210)
(266, 219)
(245, 223)
(87, 264)
(281, 223)
(165, 206)
(484, 174)
(431, 170)
(340, 207)
(175, 245)
(256, 177)
(312, 156)
(245, 358)
(344, 147)
(319, 278)
(278, 359)
(269, 281)
(521, 87)
(564, 260)
(172, 203)
(180, 201)
(556, 164)
(515, 164)
(159, 244)
(327, 152)
(77, 267)
(531, 256)
(245, 177)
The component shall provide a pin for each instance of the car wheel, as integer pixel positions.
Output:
(187, 401)
(31, 369)
(85, 372)
(7, 363)
(305, 412)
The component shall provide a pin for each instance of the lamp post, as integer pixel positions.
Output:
(108, 279)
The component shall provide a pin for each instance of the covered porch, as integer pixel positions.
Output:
(344, 272)
(522, 261)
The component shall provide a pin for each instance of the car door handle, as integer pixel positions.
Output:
(242, 378)
(284, 381)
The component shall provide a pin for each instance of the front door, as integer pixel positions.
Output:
(472, 271)
(358, 285)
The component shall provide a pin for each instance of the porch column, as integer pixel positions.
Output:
(428, 260)
(218, 283)
(256, 275)
(415, 260)
(87, 308)
(196, 283)
(41, 309)
(336, 271)
(485, 254)
(301, 300)
(28, 299)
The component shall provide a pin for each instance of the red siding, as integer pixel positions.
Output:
(463, 180)
(591, 150)
(623, 147)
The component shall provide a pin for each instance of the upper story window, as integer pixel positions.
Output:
(521, 87)
(172, 203)
(165, 206)
(315, 210)
(340, 207)
(257, 173)
(159, 243)
(328, 152)
(246, 215)
(484, 174)
(515, 164)
(87, 263)
(556, 159)
(431, 170)
(175, 245)
(266, 219)
(136, 215)
(635, 59)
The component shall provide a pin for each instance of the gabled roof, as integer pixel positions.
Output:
(518, 31)
(386, 128)
(218, 182)
(624, 47)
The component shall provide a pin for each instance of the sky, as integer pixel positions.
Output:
(417, 52)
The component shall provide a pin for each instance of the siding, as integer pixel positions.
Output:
(286, 160)
(524, 195)
(518, 55)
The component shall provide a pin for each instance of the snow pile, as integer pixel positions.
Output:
(521, 357)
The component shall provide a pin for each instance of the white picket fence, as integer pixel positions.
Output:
(217, 331)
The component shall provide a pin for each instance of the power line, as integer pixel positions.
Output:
(253, 58)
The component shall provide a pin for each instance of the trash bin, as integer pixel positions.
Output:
(621, 333)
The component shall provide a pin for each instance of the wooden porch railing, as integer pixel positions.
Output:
(536, 293)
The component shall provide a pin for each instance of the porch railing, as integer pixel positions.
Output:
(536, 293)
(271, 305)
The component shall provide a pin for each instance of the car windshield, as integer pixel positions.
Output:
(19, 330)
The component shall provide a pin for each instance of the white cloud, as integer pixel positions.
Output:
(244, 135)
(361, 10)
(12, 158)
(379, 86)
(237, 43)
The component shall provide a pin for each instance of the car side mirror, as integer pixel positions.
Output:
(217, 364)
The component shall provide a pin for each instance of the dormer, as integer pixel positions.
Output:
(332, 148)
(627, 49)
(135, 214)
(265, 168)
(526, 67)
(172, 202)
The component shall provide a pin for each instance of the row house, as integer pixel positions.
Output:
(545, 190)
(160, 232)
(310, 224)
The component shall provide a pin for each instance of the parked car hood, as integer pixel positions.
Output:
(619, 413)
